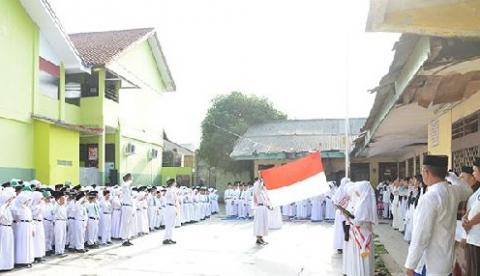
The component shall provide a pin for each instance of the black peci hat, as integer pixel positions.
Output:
(440, 161)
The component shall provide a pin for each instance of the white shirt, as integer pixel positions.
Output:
(434, 223)
(171, 196)
(473, 207)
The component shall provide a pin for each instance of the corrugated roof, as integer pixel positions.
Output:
(99, 48)
(296, 136)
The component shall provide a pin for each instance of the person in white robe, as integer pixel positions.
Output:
(70, 205)
(106, 212)
(170, 211)
(386, 201)
(434, 220)
(329, 207)
(349, 267)
(317, 208)
(128, 218)
(396, 205)
(48, 225)
(340, 198)
(228, 199)
(60, 226)
(242, 204)
(93, 213)
(116, 214)
(80, 217)
(365, 213)
(38, 208)
(261, 205)
(24, 230)
(152, 208)
(7, 239)
(275, 218)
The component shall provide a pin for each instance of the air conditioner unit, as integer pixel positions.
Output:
(130, 149)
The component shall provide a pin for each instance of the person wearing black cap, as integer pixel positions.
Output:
(60, 223)
(471, 224)
(80, 218)
(170, 211)
(434, 224)
(93, 213)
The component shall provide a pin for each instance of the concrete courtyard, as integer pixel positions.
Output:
(215, 247)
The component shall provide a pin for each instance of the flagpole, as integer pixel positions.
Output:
(347, 120)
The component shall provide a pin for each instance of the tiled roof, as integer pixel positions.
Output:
(99, 48)
(296, 136)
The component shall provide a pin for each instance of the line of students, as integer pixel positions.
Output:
(37, 221)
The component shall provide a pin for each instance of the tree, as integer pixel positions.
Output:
(229, 116)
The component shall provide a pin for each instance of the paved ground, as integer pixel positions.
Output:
(396, 246)
(216, 247)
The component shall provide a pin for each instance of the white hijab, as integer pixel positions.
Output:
(341, 192)
(365, 207)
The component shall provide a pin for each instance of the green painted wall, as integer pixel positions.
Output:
(145, 171)
(18, 52)
(172, 172)
(141, 62)
(56, 154)
(16, 159)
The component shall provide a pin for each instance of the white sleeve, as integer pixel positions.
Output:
(423, 223)
(461, 189)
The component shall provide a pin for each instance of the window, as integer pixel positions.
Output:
(465, 126)
(90, 85)
(112, 87)
(49, 79)
(73, 88)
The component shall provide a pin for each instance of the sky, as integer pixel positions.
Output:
(303, 55)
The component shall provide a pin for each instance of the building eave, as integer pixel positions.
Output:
(43, 15)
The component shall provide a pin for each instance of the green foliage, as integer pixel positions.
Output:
(232, 113)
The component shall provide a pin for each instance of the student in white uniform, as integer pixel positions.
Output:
(170, 211)
(48, 223)
(471, 224)
(341, 199)
(38, 208)
(23, 230)
(386, 200)
(152, 208)
(329, 207)
(7, 246)
(80, 217)
(434, 221)
(106, 211)
(228, 198)
(317, 208)
(93, 213)
(128, 219)
(261, 205)
(396, 205)
(60, 225)
(365, 213)
(116, 214)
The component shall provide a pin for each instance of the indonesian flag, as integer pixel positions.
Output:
(298, 180)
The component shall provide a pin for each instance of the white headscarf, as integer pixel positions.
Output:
(365, 207)
(341, 192)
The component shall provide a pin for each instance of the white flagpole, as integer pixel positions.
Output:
(347, 120)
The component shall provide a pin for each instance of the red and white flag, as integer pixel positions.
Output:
(298, 180)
